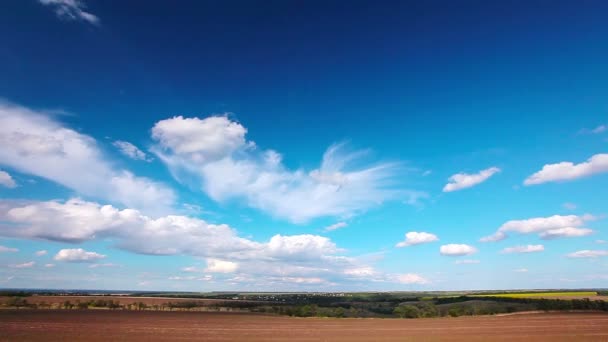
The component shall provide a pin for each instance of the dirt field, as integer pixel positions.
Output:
(120, 299)
(73, 325)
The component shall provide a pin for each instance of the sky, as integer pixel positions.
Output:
(303, 146)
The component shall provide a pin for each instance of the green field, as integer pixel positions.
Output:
(540, 294)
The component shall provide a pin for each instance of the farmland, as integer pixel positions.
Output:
(97, 325)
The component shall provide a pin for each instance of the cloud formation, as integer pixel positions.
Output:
(551, 227)
(298, 259)
(130, 150)
(71, 10)
(335, 226)
(29, 264)
(411, 278)
(4, 249)
(416, 238)
(588, 254)
(567, 171)
(33, 143)
(523, 249)
(77, 255)
(457, 250)
(461, 181)
(6, 180)
(215, 151)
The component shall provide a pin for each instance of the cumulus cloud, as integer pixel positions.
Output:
(279, 259)
(130, 150)
(77, 255)
(335, 226)
(416, 238)
(71, 10)
(588, 254)
(457, 250)
(523, 249)
(221, 266)
(4, 249)
(6, 180)
(216, 154)
(411, 278)
(461, 181)
(41, 252)
(566, 171)
(546, 227)
(33, 143)
(24, 265)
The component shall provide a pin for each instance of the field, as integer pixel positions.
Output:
(95, 325)
(550, 295)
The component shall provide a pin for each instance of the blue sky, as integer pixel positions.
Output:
(317, 146)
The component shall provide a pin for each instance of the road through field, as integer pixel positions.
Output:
(101, 325)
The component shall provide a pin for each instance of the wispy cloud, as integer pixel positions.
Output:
(71, 10)
(567, 171)
(461, 181)
(335, 226)
(588, 254)
(214, 151)
(130, 150)
(24, 265)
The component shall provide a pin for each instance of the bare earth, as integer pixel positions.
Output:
(103, 325)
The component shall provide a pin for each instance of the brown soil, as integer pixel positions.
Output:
(95, 325)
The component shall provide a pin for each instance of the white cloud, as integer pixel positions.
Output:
(71, 10)
(6, 180)
(33, 143)
(24, 265)
(523, 249)
(566, 171)
(461, 181)
(521, 270)
(103, 265)
(467, 262)
(569, 206)
(4, 249)
(547, 227)
(565, 232)
(215, 152)
(411, 278)
(41, 252)
(416, 238)
(49, 265)
(335, 226)
(600, 241)
(77, 255)
(457, 249)
(130, 150)
(588, 254)
(221, 266)
(281, 259)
